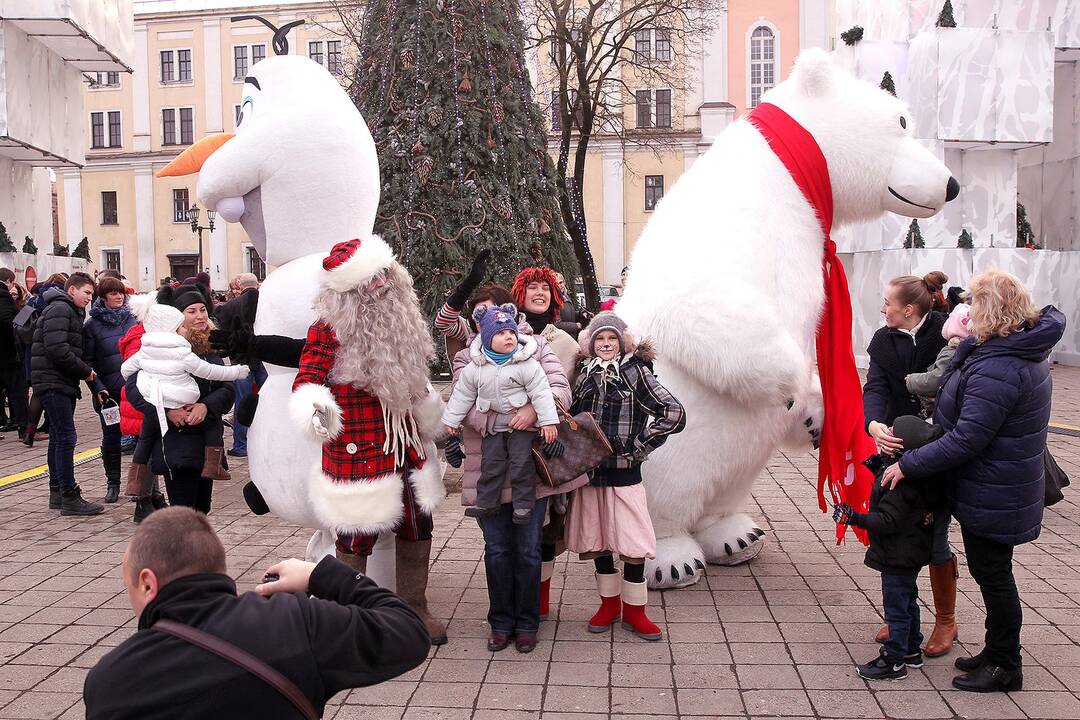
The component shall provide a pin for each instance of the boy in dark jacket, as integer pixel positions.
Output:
(57, 367)
(900, 524)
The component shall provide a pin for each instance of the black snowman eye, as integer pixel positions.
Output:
(903, 122)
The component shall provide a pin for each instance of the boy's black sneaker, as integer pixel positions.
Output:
(914, 659)
(479, 512)
(883, 668)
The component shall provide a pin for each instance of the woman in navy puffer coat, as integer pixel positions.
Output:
(994, 405)
(109, 320)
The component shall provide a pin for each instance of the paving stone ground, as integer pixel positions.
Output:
(776, 638)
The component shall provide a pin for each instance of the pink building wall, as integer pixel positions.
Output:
(782, 17)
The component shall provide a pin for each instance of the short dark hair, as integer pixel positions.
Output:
(6, 275)
(110, 273)
(494, 292)
(109, 284)
(175, 542)
(78, 280)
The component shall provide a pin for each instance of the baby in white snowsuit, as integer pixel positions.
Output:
(166, 364)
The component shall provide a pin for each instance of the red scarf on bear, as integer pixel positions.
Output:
(844, 442)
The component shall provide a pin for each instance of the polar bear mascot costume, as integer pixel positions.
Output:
(727, 280)
(300, 175)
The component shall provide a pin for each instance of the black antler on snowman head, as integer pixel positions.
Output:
(280, 41)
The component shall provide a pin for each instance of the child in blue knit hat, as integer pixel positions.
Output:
(503, 376)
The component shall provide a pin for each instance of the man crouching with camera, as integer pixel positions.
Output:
(306, 633)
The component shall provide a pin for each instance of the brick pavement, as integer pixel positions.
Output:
(776, 638)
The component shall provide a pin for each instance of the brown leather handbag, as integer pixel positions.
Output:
(585, 445)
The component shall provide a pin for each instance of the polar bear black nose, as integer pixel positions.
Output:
(952, 189)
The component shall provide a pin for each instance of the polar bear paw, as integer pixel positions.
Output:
(731, 540)
(679, 562)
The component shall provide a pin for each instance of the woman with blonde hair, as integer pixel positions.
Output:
(994, 405)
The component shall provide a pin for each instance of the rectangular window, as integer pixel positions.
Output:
(333, 56)
(168, 126)
(256, 266)
(183, 65)
(187, 126)
(236, 112)
(95, 80)
(314, 51)
(108, 207)
(662, 44)
(642, 45)
(180, 205)
(110, 259)
(105, 80)
(114, 129)
(167, 67)
(97, 130)
(240, 65)
(654, 190)
(644, 108)
(663, 108)
(112, 79)
(258, 52)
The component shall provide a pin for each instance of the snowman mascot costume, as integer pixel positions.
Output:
(300, 175)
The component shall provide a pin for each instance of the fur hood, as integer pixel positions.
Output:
(526, 349)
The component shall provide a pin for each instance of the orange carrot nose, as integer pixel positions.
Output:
(191, 160)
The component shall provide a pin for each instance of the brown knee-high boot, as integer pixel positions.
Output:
(943, 583)
(412, 581)
(356, 562)
(213, 464)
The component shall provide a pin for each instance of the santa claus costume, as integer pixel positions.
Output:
(363, 388)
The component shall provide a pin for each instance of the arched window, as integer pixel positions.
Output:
(762, 62)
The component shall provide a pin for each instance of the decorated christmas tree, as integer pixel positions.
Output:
(945, 19)
(964, 242)
(29, 246)
(1025, 236)
(444, 88)
(852, 36)
(5, 240)
(887, 84)
(82, 250)
(914, 237)
(59, 250)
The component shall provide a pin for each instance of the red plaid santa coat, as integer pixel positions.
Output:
(359, 488)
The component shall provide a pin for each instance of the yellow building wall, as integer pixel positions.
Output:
(670, 164)
(105, 100)
(177, 94)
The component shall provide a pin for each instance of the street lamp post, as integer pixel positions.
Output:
(193, 218)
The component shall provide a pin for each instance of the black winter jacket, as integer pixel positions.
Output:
(352, 634)
(9, 350)
(101, 346)
(184, 447)
(56, 357)
(994, 405)
(892, 358)
(900, 521)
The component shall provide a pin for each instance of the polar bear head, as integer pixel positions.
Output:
(865, 134)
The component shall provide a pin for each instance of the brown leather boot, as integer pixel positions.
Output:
(882, 635)
(356, 562)
(213, 467)
(138, 480)
(943, 583)
(412, 580)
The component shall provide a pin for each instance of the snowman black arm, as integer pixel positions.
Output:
(278, 350)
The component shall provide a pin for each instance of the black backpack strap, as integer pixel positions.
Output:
(241, 658)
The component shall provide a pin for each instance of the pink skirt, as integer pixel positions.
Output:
(611, 519)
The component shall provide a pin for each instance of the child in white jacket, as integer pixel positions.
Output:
(503, 376)
(166, 364)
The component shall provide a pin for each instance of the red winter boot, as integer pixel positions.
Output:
(546, 570)
(635, 596)
(610, 604)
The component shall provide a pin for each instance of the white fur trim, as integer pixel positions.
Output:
(427, 482)
(372, 256)
(361, 506)
(303, 403)
(427, 413)
(636, 594)
(608, 584)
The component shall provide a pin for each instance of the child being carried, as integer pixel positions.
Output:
(503, 376)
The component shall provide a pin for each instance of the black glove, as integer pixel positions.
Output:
(470, 282)
(455, 455)
(553, 449)
(234, 342)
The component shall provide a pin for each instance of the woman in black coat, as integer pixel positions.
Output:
(994, 406)
(909, 343)
(109, 320)
(180, 454)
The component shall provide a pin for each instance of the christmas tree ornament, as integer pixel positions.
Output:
(504, 207)
(466, 85)
(435, 117)
(423, 167)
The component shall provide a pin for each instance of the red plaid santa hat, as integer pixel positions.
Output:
(353, 263)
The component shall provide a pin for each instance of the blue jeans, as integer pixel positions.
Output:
(900, 596)
(243, 389)
(62, 439)
(512, 562)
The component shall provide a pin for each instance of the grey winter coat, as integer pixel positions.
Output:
(926, 384)
(502, 389)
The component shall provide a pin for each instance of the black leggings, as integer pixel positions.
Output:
(632, 572)
(187, 488)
